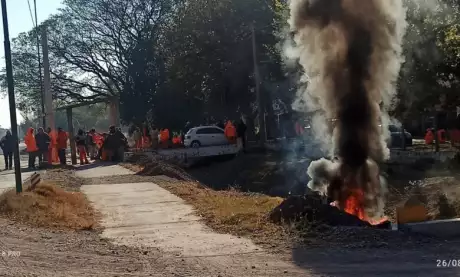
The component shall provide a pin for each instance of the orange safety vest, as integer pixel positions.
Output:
(230, 130)
(53, 147)
(164, 135)
(429, 137)
(176, 140)
(29, 140)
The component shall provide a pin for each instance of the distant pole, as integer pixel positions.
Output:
(40, 67)
(436, 139)
(9, 76)
(47, 82)
(260, 104)
(73, 151)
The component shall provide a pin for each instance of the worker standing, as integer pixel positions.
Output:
(31, 146)
(62, 138)
(241, 133)
(7, 145)
(43, 142)
(230, 132)
(80, 141)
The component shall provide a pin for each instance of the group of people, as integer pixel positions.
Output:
(152, 137)
(46, 145)
(51, 146)
(108, 146)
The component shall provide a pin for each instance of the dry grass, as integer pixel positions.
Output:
(49, 206)
(441, 196)
(232, 211)
(226, 211)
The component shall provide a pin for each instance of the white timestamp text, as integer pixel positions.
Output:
(448, 263)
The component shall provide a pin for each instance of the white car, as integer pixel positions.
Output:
(205, 136)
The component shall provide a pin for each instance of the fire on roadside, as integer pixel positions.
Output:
(354, 205)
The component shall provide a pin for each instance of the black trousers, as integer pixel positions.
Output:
(61, 154)
(42, 156)
(243, 141)
(32, 156)
(8, 159)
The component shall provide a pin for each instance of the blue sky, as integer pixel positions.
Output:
(20, 21)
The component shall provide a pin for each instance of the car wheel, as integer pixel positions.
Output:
(195, 144)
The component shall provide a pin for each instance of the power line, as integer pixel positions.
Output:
(31, 15)
(42, 93)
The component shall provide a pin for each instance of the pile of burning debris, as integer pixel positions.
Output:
(316, 209)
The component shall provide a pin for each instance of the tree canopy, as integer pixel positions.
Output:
(173, 61)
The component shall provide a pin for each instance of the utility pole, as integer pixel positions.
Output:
(40, 66)
(47, 82)
(260, 102)
(9, 76)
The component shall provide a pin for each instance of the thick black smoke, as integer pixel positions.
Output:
(351, 52)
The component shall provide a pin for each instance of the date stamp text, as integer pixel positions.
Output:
(448, 263)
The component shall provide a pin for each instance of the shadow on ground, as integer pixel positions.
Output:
(267, 172)
(396, 260)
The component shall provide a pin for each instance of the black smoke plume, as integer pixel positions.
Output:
(350, 51)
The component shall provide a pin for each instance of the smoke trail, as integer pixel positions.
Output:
(351, 52)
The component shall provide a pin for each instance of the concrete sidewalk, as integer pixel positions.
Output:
(7, 178)
(144, 214)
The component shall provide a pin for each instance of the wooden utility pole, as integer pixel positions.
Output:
(9, 76)
(260, 102)
(114, 113)
(73, 150)
(47, 82)
(40, 67)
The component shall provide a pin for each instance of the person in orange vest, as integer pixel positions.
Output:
(31, 146)
(429, 136)
(62, 138)
(167, 136)
(230, 132)
(164, 137)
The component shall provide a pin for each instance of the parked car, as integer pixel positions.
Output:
(205, 136)
(396, 136)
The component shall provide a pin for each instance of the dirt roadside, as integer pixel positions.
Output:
(31, 251)
(45, 252)
(347, 252)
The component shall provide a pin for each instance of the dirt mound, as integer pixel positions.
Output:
(156, 168)
(49, 206)
(311, 208)
(144, 166)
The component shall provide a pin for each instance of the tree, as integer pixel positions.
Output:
(174, 60)
(431, 61)
(89, 46)
(207, 70)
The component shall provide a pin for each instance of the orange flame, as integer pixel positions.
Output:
(354, 205)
